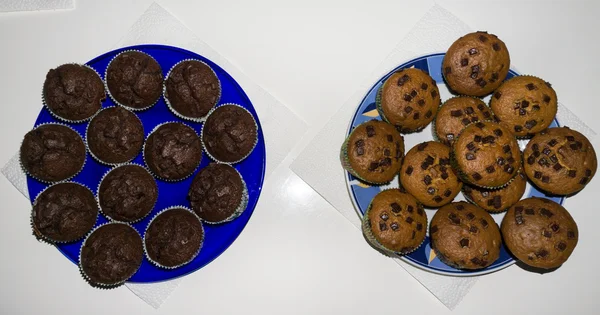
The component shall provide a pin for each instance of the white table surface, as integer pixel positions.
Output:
(297, 255)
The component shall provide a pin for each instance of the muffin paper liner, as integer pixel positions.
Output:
(87, 142)
(59, 181)
(108, 90)
(69, 120)
(87, 278)
(173, 110)
(100, 184)
(367, 231)
(346, 162)
(202, 135)
(240, 209)
(148, 166)
(150, 223)
(45, 238)
(433, 122)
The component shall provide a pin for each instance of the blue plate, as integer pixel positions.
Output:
(361, 193)
(217, 237)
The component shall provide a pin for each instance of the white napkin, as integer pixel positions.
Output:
(319, 165)
(157, 26)
(35, 5)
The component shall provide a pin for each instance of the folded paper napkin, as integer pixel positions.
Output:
(157, 26)
(319, 165)
(35, 5)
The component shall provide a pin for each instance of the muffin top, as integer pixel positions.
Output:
(115, 135)
(73, 92)
(465, 236)
(192, 88)
(396, 220)
(229, 133)
(476, 64)
(52, 152)
(173, 151)
(456, 113)
(540, 232)
(427, 175)
(560, 161)
(497, 200)
(134, 79)
(216, 192)
(374, 151)
(409, 99)
(487, 155)
(64, 212)
(111, 254)
(525, 105)
(173, 238)
(127, 193)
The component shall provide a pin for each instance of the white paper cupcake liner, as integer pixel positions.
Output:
(173, 110)
(193, 256)
(206, 149)
(108, 90)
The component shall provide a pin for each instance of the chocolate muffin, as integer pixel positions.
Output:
(173, 238)
(560, 161)
(455, 114)
(540, 232)
(64, 212)
(52, 153)
(464, 236)
(486, 155)
(127, 193)
(229, 134)
(497, 200)
(134, 79)
(408, 99)
(115, 135)
(426, 174)
(476, 64)
(192, 89)
(173, 151)
(525, 105)
(395, 222)
(73, 92)
(373, 152)
(111, 254)
(218, 193)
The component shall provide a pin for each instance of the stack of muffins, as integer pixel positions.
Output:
(475, 151)
(54, 153)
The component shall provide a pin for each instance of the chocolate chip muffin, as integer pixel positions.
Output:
(497, 200)
(173, 238)
(192, 89)
(229, 134)
(540, 232)
(64, 212)
(476, 64)
(52, 153)
(408, 99)
(525, 105)
(111, 254)
(455, 114)
(115, 135)
(426, 174)
(173, 151)
(486, 154)
(218, 193)
(134, 79)
(395, 222)
(73, 92)
(464, 236)
(373, 152)
(127, 193)
(560, 161)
